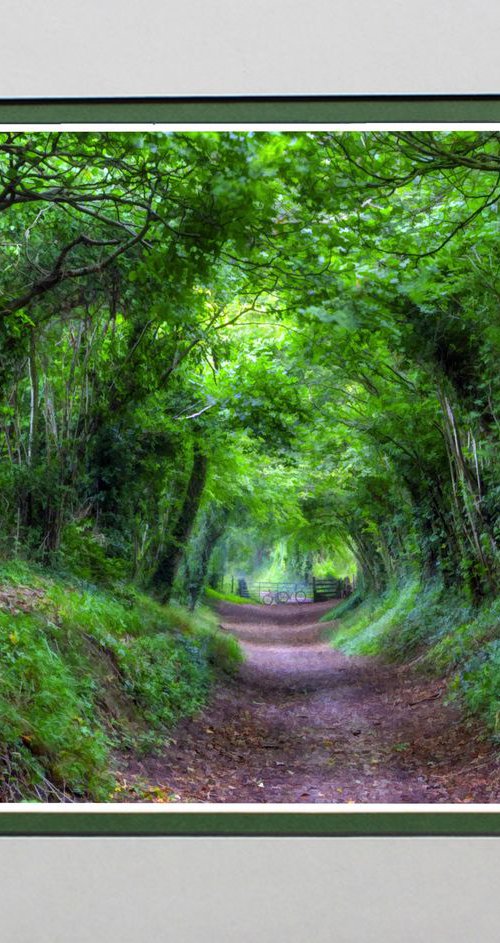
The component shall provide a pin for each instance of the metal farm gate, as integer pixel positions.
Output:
(330, 588)
(270, 593)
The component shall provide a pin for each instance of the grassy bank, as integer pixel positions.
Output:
(213, 595)
(442, 631)
(84, 671)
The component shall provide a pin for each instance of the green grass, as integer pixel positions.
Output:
(214, 594)
(83, 671)
(478, 685)
(343, 607)
(439, 629)
(362, 629)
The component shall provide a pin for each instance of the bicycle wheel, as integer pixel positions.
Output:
(267, 599)
(300, 596)
(283, 596)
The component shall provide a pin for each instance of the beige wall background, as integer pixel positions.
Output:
(233, 47)
(246, 890)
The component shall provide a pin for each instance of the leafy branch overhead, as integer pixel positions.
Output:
(324, 303)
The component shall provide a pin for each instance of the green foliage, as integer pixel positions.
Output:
(223, 651)
(438, 613)
(85, 554)
(478, 686)
(49, 726)
(342, 608)
(364, 629)
(83, 670)
(214, 594)
(166, 677)
(441, 630)
(320, 319)
(471, 631)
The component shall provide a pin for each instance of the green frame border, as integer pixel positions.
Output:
(257, 110)
(249, 824)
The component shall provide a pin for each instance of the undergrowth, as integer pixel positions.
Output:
(363, 628)
(443, 632)
(214, 594)
(84, 671)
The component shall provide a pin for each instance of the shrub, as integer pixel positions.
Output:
(86, 554)
(223, 651)
(478, 686)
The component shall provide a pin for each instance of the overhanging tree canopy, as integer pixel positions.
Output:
(222, 313)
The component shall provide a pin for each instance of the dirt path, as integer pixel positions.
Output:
(304, 723)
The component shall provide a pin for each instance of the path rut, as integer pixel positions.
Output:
(304, 723)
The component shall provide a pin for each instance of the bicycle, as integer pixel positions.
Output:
(280, 596)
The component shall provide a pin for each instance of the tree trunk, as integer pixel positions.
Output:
(171, 555)
(34, 401)
(212, 529)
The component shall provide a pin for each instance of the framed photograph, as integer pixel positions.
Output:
(250, 487)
